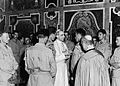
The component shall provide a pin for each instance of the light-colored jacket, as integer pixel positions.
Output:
(77, 53)
(105, 48)
(8, 65)
(41, 65)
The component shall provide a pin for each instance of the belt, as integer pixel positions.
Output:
(37, 70)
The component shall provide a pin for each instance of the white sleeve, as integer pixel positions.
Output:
(59, 55)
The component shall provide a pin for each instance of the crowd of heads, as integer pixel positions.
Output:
(52, 33)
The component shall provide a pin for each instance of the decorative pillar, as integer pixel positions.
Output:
(61, 15)
(6, 27)
(42, 14)
(13, 20)
(35, 21)
(106, 19)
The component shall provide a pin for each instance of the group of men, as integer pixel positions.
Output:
(55, 62)
(11, 51)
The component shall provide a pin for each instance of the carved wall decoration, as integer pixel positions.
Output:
(78, 2)
(24, 4)
(2, 5)
(116, 10)
(22, 27)
(25, 24)
(115, 0)
(51, 19)
(48, 2)
(86, 20)
(2, 18)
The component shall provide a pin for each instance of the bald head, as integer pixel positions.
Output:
(87, 42)
(4, 37)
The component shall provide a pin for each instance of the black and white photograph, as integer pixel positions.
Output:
(59, 42)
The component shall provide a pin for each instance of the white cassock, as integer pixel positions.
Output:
(61, 75)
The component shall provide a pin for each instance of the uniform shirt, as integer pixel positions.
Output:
(115, 60)
(39, 56)
(15, 46)
(104, 48)
(77, 53)
(70, 45)
(50, 45)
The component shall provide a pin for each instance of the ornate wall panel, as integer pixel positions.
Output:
(114, 25)
(2, 4)
(89, 20)
(2, 17)
(24, 4)
(25, 24)
(48, 2)
(80, 2)
(51, 19)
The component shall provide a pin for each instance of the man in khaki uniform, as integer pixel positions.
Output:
(40, 62)
(115, 63)
(103, 46)
(15, 45)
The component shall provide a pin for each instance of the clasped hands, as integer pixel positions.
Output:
(67, 53)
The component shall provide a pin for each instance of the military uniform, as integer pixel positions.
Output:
(15, 46)
(77, 53)
(115, 62)
(105, 49)
(41, 65)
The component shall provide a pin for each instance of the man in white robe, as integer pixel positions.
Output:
(61, 56)
(103, 46)
(92, 69)
(8, 64)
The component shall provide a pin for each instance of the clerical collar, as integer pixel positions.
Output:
(41, 44)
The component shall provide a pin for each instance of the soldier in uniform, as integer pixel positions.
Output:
(15, 45)
(115, 64)
(103, 46)
(77, 52)
(40, 62)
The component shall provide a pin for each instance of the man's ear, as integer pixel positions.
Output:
(104, 35)
(46, 38)
(57, 36)
(37, 37)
